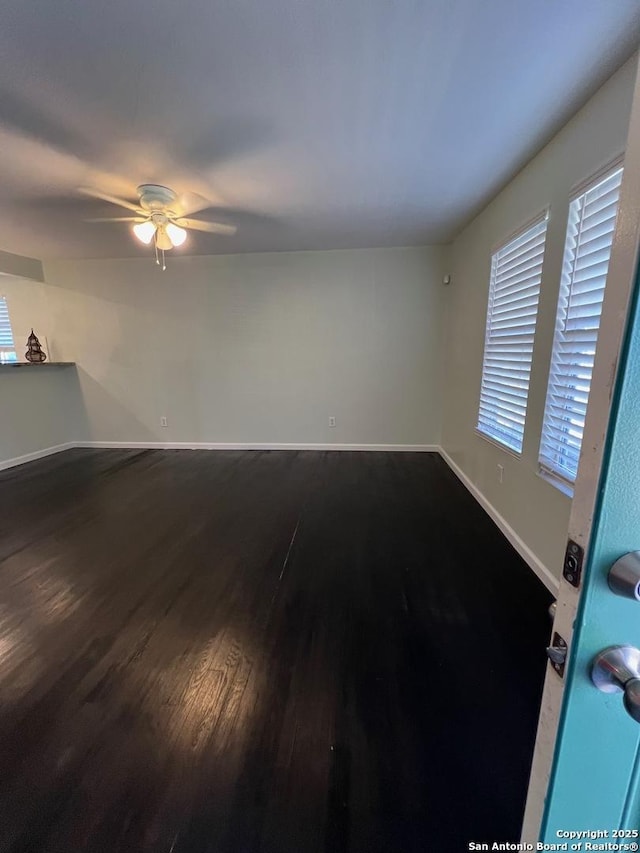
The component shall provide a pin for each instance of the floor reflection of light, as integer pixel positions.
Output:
(43, 599)
(211, 707)
(21, 665)
(53, 597)
(6, 646)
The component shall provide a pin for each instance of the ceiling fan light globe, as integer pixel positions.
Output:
(176, 234)
(144, 231)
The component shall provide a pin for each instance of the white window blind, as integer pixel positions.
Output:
(7, 345)
(514, 291)
(592, 219)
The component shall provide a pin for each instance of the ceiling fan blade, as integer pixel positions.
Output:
(190, 202)
(112, 199)
(116, 219)
(210, 227)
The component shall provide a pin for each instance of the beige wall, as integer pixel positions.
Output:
(255, 348)
(40, 408)
(534, 508)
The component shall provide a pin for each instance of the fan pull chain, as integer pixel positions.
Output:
(164, 266)
(155, 243)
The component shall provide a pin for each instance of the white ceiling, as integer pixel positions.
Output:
(308, 123)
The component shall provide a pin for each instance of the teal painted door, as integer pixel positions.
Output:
(595, 778)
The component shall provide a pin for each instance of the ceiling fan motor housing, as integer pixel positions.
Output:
(154, 197)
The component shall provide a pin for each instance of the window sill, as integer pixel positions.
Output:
(557, 482)
(494, 441)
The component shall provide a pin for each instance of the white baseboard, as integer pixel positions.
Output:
(37, 454)
(208, 445)
(547, 578)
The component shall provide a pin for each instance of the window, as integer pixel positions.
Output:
(514, 290)
(592, 219)
(7, 346)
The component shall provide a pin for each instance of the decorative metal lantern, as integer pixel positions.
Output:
(35, 354)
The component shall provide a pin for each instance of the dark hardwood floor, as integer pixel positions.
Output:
(260, 652)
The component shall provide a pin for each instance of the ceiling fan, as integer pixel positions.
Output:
(160, 216)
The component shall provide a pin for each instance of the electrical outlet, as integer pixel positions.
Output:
(500, 473)
(332, 421)
(163, 421)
